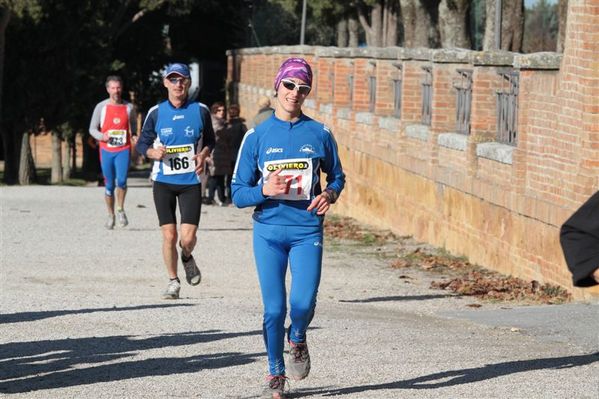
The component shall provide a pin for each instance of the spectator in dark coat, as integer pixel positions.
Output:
(264, 111)
(219, 163)
(237, 128)
(579, 237)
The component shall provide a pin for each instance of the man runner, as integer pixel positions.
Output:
(112, 125)
(177, 134)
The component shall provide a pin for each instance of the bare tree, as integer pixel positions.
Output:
(453, 15)
(348, 32)
(56, 170)
(419, 26)
(512, 25)
(541, 26)
(379, 21)
(353, 28)
(563, 18)
(342, 34)
(4, 19)
(390, 20)
(371, 19)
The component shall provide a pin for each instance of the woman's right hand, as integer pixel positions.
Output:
(275, 184)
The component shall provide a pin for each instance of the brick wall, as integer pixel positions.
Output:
(497, 203)
(41, 150)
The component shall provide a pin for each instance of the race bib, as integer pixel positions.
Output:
(178, 159)
(298, 175)
(117, 138)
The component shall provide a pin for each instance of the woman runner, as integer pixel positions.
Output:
(278, 172)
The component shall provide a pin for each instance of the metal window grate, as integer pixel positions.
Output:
(507, 108)
(371, 93)
(463, 86)
(427, 95)
(397, 98)
(397, 87)
(350, 83)
(332, 80)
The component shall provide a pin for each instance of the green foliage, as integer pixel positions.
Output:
(369, 239)
(321, 19)
(59, 52)
(47, 74)
(22, 7)
(269, 31)
(65, 131)
(318, 8)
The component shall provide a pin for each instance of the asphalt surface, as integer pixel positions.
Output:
(81, 317)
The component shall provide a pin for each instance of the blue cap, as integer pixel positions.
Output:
(179, 69)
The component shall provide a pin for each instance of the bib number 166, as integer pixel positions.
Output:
(179, 163)
(178, 160)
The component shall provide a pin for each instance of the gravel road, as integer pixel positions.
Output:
(81, 317)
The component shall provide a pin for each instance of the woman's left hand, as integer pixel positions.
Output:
(321, 203)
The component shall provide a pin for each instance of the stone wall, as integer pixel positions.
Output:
(500, 204)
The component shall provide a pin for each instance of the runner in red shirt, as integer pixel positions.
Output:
(112, 125)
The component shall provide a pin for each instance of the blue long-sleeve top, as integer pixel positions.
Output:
(303, 149)
(184, 131)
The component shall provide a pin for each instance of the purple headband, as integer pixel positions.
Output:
(294, 68)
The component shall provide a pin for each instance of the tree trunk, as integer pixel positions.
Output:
(512, 25)
(390, 23)
(374, 27)
(56, 176)
(74, 157)
(453, 15)
(385, 23)
(365, 25)
(91, 159)
(353, 28)
(8, 139)
(416, 23)
(563, 19)
(376, 23)
(26, 164)
(66, 167)
(489, 40)
(342, 36)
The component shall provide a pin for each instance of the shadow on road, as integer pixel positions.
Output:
(395, 298)
(226, 229)
(61, 363)
(463, 376)
(33, 316)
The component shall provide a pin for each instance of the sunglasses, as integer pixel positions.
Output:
(177, 80)
(291, 85)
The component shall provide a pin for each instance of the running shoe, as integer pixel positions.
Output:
(122, 218)
(109, 222)
(276, 387)
(298, 366)
(192, 273)
(172, 290)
